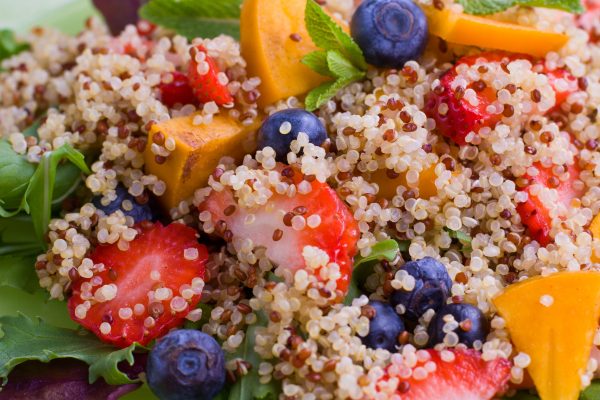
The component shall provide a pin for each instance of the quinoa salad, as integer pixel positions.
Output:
(302, 199)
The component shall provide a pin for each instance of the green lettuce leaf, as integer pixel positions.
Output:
(485, 7)
(26, 339)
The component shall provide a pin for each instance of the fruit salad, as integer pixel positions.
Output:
(303, 200)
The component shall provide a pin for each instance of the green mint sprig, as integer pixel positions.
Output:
(195, 18)
(486, 7)
(340, 57)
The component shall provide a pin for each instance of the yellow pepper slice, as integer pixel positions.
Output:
(477, 31)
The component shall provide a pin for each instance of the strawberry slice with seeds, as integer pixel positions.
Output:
(590, 20)
(457, 115)
(292, 229)
(139, 294)
(176, 89)
(458, 374)
(207, 82)
(535, 212)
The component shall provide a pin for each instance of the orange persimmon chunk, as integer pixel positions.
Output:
(483, 32)
(553, 319)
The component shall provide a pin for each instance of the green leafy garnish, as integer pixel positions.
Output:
(25, 187)
(249, 387)
(18, 272)
(25, 339)
(485, 7)
(363, 266)
(8, 44)
(340, 57)
(195, 18)
(462, 237)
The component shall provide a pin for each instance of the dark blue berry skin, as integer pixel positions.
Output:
(477, 330)
(139, 212)
(432, 288)
(186, 364)
(301, 120)
(384, 328)
(390, 32)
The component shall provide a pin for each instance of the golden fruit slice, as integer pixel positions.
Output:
(387, 185)
(274, 40)
(197, 153)
(553, 319)
(595, 228)
(483, 32)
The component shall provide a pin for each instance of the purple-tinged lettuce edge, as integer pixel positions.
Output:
(119, 13)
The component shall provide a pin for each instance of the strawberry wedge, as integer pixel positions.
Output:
(535, 213)
(456, 115)
(464, 376)
(139, 294)
(291, 228)
(205, 78)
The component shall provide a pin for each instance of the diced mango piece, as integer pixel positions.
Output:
(387, 185)
(274, 40)
(198, 151)
(484, 32)
(553, 319)
(595, 228)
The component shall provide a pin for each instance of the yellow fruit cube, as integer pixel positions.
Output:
(595, 228)
(483, 32)
(553, 319)
(274, 40)
(197, 153)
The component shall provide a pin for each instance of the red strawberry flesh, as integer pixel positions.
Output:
(463, 117)
(203, 75)
(466, 377)
(534, 213)
(336, 234)
(154, 267)
(177, 90)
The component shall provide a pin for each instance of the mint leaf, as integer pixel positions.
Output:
(592, 392)
(572, 6)
(26, 339)
(328, 35)
(9, 46)
(317, 61)
(320, 95)
(341, 67)
(195, 18)
(486, 7)
(249, 386)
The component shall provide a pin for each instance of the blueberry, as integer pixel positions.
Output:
(390, 32)
(139, 212)
(186, 364)
(384, 328)
(432, 288)
(472, 324)
(279, 129)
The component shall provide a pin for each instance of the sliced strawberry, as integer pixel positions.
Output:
(177, 90)
(462, 117)
(590, 20)
(563, 84)
(466, 377)
(535, 215)
(336, 234)
(144, 291)
(203, 75)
